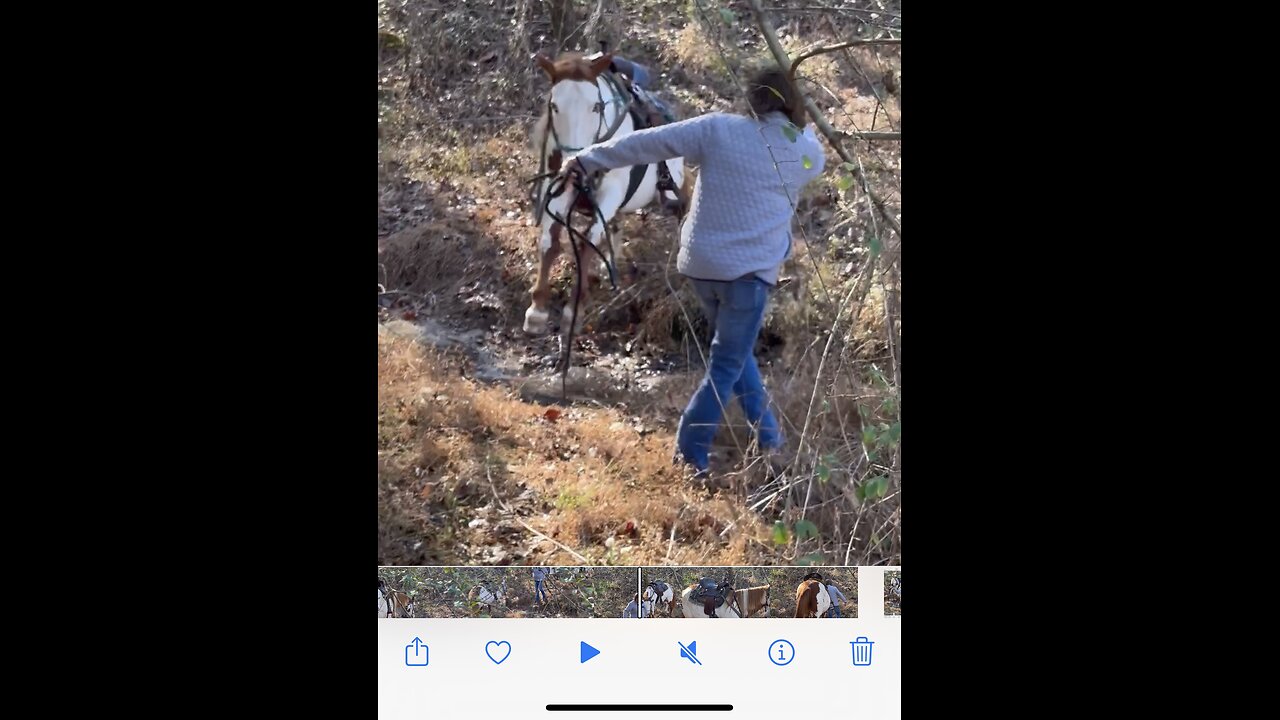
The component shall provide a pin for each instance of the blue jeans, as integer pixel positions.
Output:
(735, 311)
(835, 610)
(539, 595)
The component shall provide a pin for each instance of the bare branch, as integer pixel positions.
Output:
(836, 10)
(833, 136)
(873, 135)
(832, 48)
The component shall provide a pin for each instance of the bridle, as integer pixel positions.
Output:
(601, 135)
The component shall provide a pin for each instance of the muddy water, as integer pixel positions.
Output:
(609, 379)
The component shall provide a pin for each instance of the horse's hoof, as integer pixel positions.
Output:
(535, 321)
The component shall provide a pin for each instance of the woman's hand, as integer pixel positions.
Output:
(572, 171)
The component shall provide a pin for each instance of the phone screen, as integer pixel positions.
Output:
(639, 360)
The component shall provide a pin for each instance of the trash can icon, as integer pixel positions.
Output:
(862, 651)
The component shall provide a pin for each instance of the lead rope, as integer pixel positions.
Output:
(556, 189)
(584, 188)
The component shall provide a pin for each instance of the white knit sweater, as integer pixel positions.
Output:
(750, 175)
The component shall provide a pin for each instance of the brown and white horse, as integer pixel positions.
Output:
(586, 106)
(812, 599)
(393, 603)
(730, 608)
(482, 597)
(752, 599)
(660, 595)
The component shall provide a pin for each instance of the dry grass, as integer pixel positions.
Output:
(589, 479)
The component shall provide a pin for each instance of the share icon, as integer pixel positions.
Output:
(690, 652)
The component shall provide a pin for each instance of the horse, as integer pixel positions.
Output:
(586, 105)
(393, 603)
(705, 606)
(661, 595)
(753, 599)
(812, 599)
(482, 597)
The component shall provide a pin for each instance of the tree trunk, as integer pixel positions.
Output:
(561, 12)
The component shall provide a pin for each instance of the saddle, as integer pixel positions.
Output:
(710, 595)
(648, 112)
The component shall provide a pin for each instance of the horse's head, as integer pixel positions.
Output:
(577, 103)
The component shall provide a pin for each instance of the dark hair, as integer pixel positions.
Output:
(769, 90)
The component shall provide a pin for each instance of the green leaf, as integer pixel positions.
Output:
(827, 462)
(727, 15)
(844, 182)
(849, 166)
(813, 559)
(875, 246)
(806, 529)
(860, 493)
(877, 487)
(806, 162)
(868, 436)
(895, 431)
(780, 533)
(790, 131)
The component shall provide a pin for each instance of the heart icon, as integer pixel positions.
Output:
(492, 649)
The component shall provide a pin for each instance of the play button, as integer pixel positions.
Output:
(587, 652)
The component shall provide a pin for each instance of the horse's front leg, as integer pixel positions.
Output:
(607, 199)
(535, 318)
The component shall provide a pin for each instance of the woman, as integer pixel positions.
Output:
(734, 239)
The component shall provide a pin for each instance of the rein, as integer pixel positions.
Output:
(583, 187)
(585, 190)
